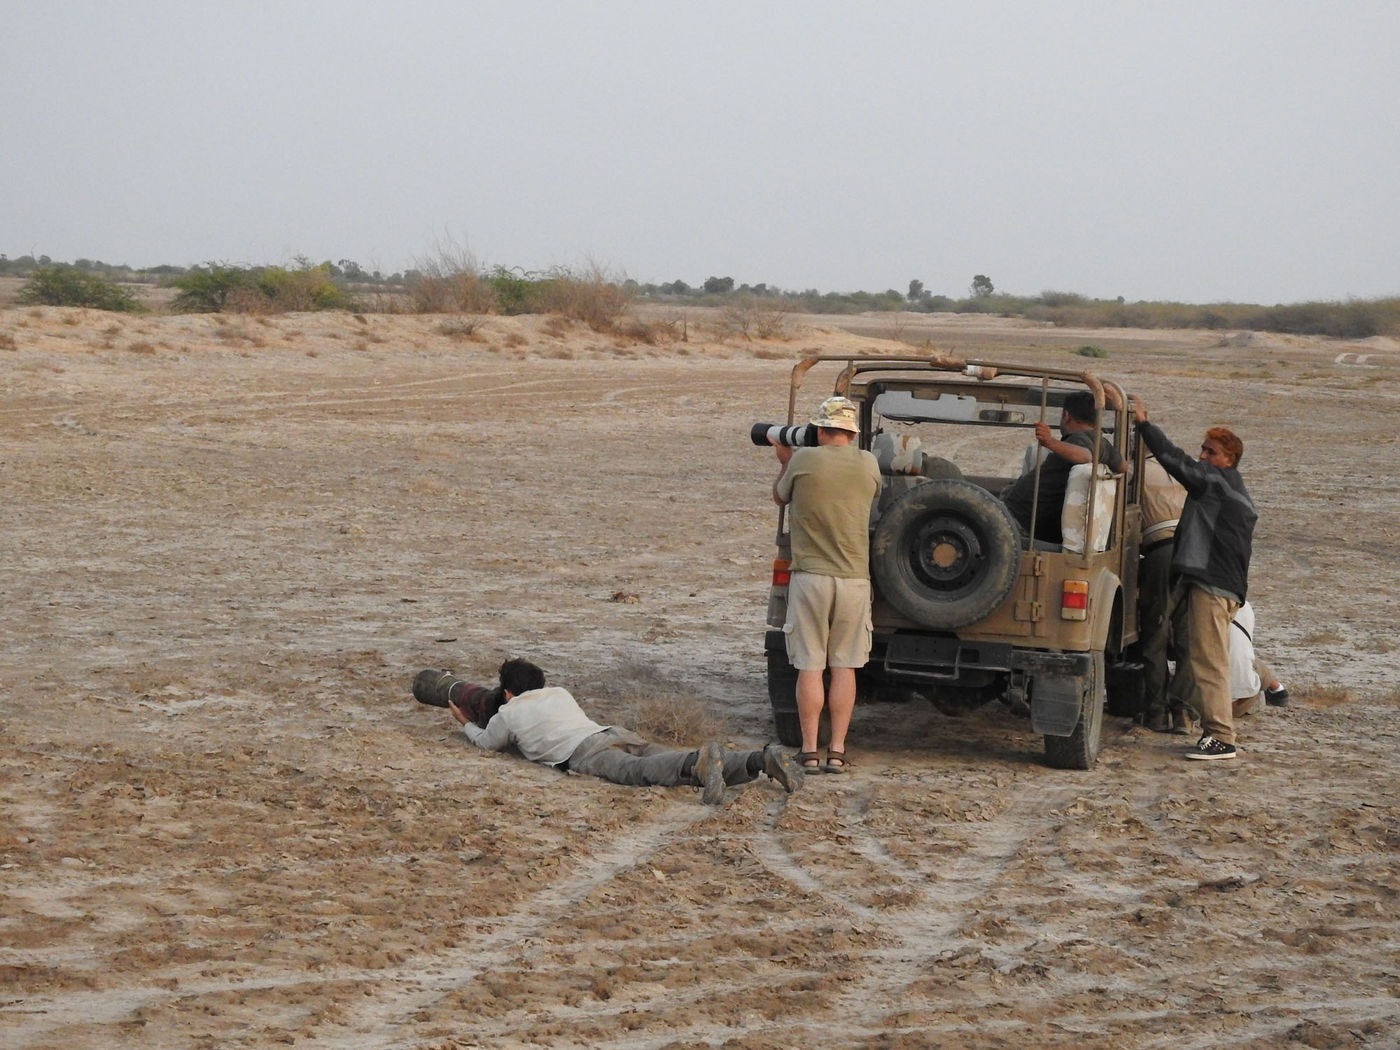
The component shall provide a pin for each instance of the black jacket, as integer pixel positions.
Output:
(1216, 535)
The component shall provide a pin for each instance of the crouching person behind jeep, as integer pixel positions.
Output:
(546, 725)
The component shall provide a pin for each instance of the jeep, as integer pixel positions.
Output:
(966, 609)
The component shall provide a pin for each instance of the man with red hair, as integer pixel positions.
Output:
(1210, 566)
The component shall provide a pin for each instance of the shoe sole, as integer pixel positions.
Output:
(709, 767)
(783, 768)
(1198, 756)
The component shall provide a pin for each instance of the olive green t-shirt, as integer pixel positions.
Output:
(830, 489)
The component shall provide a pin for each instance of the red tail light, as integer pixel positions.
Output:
(1074, 600)
(782, 572)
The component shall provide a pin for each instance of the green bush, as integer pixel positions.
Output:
(512, 289)
(268, 289)
(1091, 351)
(66, 286)
(207, 289)
(293, 291)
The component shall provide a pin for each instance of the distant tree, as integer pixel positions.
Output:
(206, 289)
(981, 286)
(916, 291)
(67, 286)
(718, 285)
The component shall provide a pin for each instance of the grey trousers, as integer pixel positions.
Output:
(623, 757)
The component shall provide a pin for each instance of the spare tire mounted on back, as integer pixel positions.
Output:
(946, 553)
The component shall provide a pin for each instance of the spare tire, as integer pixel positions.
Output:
(945, 554)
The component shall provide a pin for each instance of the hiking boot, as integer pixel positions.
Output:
(1181, 721)
(1157, 721)
(709, 773)
(1276, 697)
(1208, 749)
(782, 767)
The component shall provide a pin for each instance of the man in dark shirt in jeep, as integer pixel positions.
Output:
(1078, 418)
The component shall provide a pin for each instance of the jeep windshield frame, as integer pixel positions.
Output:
(1041, 389)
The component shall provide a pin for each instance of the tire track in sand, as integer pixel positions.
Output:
(940, 906)
(389, 996)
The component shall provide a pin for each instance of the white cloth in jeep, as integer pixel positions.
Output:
(1075, 511)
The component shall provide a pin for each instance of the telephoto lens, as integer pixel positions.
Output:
(794, 437)
(434, 687)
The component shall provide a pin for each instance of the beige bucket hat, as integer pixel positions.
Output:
(838, 413)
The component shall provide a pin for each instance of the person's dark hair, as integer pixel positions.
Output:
(520, 676)
(1080, 406)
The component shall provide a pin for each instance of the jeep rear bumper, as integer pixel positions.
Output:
(916, 657)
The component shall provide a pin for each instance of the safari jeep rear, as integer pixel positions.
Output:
(966, 610)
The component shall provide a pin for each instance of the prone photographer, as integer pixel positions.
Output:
(546, 725)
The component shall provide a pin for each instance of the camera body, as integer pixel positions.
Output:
(802, 436)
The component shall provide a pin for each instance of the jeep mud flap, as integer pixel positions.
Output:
(1058, 681)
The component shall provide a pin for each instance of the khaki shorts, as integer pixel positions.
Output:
(828, 622)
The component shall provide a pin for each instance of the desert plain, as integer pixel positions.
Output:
(230, 542)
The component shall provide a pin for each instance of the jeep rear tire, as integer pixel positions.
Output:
(946, 554)
(1080, 750)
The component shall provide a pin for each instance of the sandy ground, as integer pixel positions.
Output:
(230, 542)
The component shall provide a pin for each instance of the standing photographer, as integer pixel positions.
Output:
(828, 489)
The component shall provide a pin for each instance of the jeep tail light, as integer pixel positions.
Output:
(1074, 600)
(782, 572)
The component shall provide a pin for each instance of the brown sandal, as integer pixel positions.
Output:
(836, 762)
(810, 761)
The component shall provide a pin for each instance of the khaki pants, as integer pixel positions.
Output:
(1203, 670)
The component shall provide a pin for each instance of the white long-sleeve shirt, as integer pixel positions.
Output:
(545, 725)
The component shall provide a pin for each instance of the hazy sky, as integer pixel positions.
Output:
(1194, 151)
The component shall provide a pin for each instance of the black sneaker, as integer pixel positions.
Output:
(709, 773)
(1276, 697)
(1208, 748)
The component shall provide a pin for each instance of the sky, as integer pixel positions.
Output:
(1188, 151)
